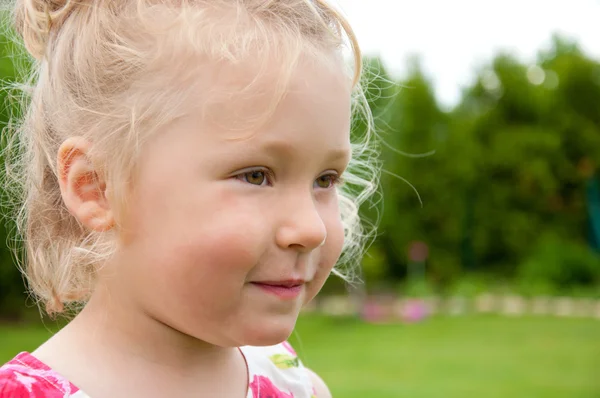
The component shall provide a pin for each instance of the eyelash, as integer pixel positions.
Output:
(335, 179)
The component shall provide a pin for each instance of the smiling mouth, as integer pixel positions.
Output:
(285, 290)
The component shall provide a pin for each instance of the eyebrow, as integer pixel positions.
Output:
(287, 149)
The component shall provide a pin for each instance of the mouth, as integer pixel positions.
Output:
(285, 290)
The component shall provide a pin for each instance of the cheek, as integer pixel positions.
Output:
(215, 268)
(335, 237)
(226, 231)
(198, 242)
(221, 246)
(207, 262)
(334, 245)
(328, 254)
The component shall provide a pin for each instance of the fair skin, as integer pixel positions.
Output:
(213, 219)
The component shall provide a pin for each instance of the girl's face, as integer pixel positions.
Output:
(228, 238)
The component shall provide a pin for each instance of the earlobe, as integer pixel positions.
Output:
(82, 187)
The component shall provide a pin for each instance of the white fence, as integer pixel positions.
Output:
(387, 308)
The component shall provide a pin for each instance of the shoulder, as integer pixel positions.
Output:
(320, 388)
(279, 369)
(16, 380)
(10, 386)
(25, 377)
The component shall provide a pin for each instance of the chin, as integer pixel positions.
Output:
(270, 333)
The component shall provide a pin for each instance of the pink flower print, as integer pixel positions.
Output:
(16, 377)
(26, 381)
(289, 347)
(263, 387)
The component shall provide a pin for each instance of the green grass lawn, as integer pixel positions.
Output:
(479, 356)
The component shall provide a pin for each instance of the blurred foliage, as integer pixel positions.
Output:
(511, 164)
(12, 289)
(557, 264)
(501, 178)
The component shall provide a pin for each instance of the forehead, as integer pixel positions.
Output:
(314, 104)
(267, 102)
(307, 127)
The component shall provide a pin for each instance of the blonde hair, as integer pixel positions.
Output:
(90, 75)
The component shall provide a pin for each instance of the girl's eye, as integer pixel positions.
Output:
(255, 177)
(264, 178)
(327, 181)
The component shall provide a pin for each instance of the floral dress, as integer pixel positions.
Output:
(274, 372)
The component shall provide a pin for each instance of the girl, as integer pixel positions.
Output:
(180, 166)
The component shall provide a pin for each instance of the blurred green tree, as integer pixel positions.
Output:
(12, 289)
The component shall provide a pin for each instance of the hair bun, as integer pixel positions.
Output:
(36, 19)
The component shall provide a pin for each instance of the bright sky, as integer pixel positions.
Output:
(454, 37)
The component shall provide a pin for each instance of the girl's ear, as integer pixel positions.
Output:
(81, 185)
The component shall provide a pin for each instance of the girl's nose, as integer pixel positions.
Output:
(302, 227)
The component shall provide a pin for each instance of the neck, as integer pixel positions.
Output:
(119, 326)
(112, 337)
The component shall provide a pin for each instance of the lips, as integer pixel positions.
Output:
(288, 283)
(284, 290)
